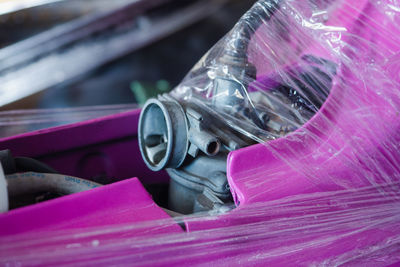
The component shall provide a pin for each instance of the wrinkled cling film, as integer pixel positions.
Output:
(21, 121)
(342, 228)
(315, 81)
(317, 84)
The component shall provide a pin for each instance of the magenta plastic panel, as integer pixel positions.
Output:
(105, 148)
(119, 203)
(350, 142)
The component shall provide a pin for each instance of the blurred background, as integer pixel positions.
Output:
(85, 59)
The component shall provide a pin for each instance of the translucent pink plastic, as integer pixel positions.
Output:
(324, 191)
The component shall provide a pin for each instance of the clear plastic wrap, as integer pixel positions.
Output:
(22, 121)
(316, 83)
(277, 67)
(345, 228)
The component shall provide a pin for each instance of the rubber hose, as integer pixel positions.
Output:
(32, 182)
(28, 164)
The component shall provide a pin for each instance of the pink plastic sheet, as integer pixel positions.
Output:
(316, 83)
(15, 122)
(344, 228)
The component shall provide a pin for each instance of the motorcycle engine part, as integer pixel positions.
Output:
(163, 134)
(191, 180)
